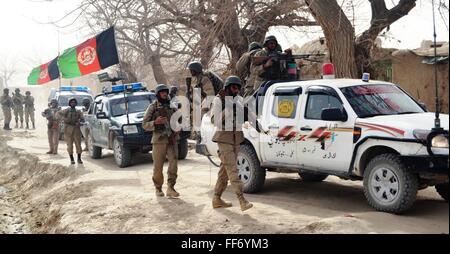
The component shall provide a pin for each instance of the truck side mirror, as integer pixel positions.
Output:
(333, 114)
(102, 115)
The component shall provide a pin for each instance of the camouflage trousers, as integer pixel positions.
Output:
(72, 135)
(18, 113)
(53, 140)
(159, 153)
(7, 116)
(29, 115)
(228, 170)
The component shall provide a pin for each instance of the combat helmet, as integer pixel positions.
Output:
(270, 38)
(233, 80)
(195, 66)
(161, 87)
(254, 45)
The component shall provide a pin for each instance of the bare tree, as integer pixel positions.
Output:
(351, 54)
(7, 71)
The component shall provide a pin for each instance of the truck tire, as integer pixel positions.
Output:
(94, 151)
(250, 171)
(122, 155)
(183, 149)
(442, 189)
(388, 185)
(312, 177)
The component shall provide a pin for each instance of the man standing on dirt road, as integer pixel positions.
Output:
(73, 119)
(7, 105)
(29, 109)
(18, 101)
(52, 116)
(164, 141)
(229, 142)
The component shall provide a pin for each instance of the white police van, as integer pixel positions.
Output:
(355, 129)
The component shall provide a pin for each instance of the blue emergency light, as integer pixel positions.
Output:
(74, 88)
(127, 87)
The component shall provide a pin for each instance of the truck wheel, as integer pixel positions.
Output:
(442, 189)
(182, 149)
(250, 171)
(122, 155)
(312, 177)
(94, 151)
(388, 185)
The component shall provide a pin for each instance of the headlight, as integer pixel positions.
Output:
(440, 141)
(130, 129)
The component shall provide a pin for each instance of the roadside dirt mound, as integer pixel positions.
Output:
(28, 176)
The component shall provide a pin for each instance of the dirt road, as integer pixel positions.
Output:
(101, 198)
(52, 197)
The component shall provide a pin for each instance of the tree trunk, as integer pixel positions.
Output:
(340, 36)
(158, 70)
(129, 71)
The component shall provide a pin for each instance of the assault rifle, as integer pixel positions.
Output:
(278, 56)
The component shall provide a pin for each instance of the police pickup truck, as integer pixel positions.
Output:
(64, 94)
(114, 122)
(354, 129)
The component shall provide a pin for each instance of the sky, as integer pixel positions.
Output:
(27, 42)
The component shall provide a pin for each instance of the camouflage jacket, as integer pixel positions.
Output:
(6, 101)
(29, 102)
(161, 133)
(218, 118)
(72, 117)
(52, 116)
(18, 100)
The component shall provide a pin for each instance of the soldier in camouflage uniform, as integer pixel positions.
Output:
(259, 67)
(18, 100)
(29, 109)
(229, 142)
(164, 141)
(73, 119)
(243, 67)
(52, 116)
(7, 105)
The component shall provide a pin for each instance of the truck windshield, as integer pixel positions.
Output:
(375, 100)
(63, 100)
(136, 104)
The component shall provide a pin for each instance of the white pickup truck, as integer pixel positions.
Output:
(371, 131)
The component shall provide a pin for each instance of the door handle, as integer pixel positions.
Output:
(306, 128)
(271, 127)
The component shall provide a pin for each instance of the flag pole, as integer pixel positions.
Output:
(59, 76)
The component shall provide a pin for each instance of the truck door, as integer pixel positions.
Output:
(104, 125)
(280, 117)
(96, 126)
(325, 145)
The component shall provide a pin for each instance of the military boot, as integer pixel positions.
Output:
(34, 128)
(72, 160)
(172, 193)
(220, 203)
(245, 205)
(159, 192)
(79, 159)
(17, 125)
(21, 125)
(27, 126)
(7, 127)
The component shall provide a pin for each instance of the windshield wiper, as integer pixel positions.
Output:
(408, 112)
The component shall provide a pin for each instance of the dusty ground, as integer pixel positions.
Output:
(45, 195)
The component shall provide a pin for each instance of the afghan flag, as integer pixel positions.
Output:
(44, 73)
(90, 56)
